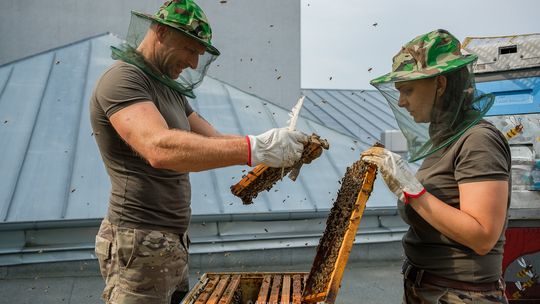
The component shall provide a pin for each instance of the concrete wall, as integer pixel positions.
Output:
(259, 39)
(260, 45)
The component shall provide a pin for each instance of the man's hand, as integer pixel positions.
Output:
(396, 173)
(276, 148)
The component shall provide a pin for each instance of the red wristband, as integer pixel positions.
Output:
(407, 195)
(249, 150)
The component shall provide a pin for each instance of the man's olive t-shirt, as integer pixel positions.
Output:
(480, 154)
(141, 196)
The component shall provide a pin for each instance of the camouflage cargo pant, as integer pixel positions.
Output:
(431, 294)
(141, 266)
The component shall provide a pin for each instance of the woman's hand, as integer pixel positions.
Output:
(396, 173)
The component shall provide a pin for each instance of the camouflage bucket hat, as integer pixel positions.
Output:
(187, 17)
(426, 56)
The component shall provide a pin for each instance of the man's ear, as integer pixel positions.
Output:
(441, 85)
(161, 32)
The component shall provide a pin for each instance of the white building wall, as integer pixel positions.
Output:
(259, 39)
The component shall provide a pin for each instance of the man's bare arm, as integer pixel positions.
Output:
(146, 131)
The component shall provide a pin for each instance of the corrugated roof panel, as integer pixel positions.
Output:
(361, 114)
(347, 116)
(47, 167)
(19, 106)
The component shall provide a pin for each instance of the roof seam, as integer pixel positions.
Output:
(71, 163)
(312, 114)
(7, 81)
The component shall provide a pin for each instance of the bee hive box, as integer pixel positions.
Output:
(245, 287)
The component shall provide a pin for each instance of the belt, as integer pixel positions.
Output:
(419, 276)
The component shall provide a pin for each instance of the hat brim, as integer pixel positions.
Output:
(431, 72)
(209, 48)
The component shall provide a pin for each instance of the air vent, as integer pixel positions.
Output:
(508, 49)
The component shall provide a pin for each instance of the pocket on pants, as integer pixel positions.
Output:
(103, 248)
(126, 246)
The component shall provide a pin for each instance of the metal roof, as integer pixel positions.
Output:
(361, 114)
(52, 176)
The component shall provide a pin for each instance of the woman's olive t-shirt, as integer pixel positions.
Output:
(480, 154)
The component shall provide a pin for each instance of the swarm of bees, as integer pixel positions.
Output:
(526, 272)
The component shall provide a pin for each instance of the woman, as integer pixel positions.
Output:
(457, 203)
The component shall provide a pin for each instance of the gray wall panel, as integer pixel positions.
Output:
(259, 40)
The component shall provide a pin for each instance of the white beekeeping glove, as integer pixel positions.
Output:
(279, 147)
(396, 173)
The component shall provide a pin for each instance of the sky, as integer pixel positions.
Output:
(346, 43)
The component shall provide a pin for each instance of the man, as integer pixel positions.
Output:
(150, 139)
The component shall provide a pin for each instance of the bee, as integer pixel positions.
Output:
(526, 270)
(529, 282)
(515, 131)
(524, 273)
(522, 286)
